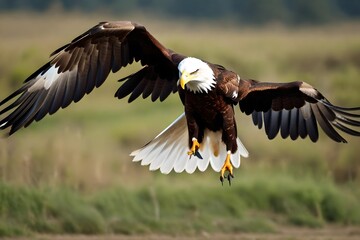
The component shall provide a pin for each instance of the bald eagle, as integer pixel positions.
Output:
(205, 134)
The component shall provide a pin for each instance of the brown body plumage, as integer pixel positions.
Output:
(216, 111)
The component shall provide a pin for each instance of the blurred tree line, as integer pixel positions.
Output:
(243, 11)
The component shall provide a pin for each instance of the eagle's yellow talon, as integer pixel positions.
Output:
(227, 167)
(195, 146)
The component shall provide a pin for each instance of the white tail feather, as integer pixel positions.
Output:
(168, 150)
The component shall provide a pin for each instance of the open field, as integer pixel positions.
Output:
(330, 233)
(71, 173)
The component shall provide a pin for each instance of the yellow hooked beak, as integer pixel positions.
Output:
(184, 79)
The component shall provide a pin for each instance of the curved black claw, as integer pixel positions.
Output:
(197, 154)
(228, 177)
(222, 180)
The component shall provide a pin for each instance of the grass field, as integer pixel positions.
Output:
(71, 172)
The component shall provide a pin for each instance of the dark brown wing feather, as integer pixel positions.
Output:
(295, 109)
(80, 66)
(156, 80)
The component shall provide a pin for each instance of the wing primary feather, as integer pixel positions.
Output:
(100, 71)
(148, 89)
(327, 103)
(157, 89)
(326, 112)
(124, 53)
(15, 103)
(61, 61)
(301, 125)
(14, 94)
(138, 89)
(311, 125)
(255, 118)
(116, 55)
(85, 58)
(89, 80)
(275, 121)
(325, 125)
(16, 118)
(294, 123)
(104, 63)
(126, 88)
(80, 89)
(70, 89)
(306, 111)
(91, 76)
(28, 115)
(346, 129)
(342, 112)
(166, 90)
(46, 105)
(41, 101)
(75, 57)
(267, 119)
(285, 123)
(58, 96)
(12, 117)
(348, 121)
(260, 119)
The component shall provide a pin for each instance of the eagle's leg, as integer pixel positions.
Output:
(227, 167)
(194, 148)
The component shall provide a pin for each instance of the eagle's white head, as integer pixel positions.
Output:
(196, 75)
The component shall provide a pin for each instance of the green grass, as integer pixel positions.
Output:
(71, 173)
(252, 204)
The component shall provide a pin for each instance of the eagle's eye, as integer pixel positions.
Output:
(194, 71)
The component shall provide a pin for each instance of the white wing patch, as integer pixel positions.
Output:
(168, 151)
(45, 80)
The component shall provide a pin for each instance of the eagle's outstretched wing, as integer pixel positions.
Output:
(295, 109)
(78, 67)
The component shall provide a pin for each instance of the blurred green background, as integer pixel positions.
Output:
(71, 172)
